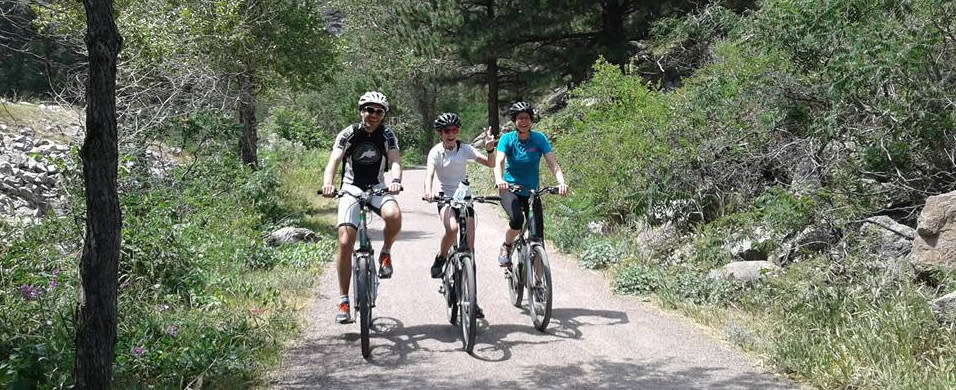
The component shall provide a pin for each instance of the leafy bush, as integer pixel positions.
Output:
(599, 254)
(294, 124)
(202, 301)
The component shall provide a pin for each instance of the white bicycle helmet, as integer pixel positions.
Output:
(373, 97)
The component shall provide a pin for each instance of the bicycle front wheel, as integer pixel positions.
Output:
(363, 297)
(539, 288)
(515, 277)
(468, 303)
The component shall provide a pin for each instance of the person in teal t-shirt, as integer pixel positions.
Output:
(517, 162)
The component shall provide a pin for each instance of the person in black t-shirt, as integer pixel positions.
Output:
(365, 149)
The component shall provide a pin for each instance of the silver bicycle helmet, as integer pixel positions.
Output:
(373, 97)
(447, 119)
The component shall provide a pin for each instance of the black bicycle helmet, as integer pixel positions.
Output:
(520, 107)
(447, 119)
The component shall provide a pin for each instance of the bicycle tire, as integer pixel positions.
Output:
(363, 297)
(515, 278)
(451, 290)
(468, 303)
(539, 294)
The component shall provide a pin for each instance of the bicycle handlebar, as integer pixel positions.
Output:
(370, 192)
(448, 199)
(550, 190)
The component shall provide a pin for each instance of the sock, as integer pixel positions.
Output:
(344, 298)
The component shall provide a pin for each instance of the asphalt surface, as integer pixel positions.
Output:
(596, 340)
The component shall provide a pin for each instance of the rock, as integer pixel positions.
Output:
(935, 241)
(289, 235)
(30, 177)
(944, 308)
(744, 271)
(892, 239)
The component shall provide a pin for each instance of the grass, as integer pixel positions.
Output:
(31, 115)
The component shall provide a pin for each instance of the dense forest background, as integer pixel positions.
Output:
(693, 134)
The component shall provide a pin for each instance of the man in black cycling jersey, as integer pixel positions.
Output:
(365, 148)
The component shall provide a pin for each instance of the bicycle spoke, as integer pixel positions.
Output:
(539, 288)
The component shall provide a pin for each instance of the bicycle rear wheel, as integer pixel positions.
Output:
(515, 278)
(539, 288)
(363, 297)
(468, 303)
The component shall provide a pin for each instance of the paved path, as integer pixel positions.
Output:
(596, 340)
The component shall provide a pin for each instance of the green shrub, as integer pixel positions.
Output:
(638, 279)
(201, 299)
(295, 124)
(598, 254)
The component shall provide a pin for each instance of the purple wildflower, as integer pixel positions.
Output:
(255, 311)
(172, 330)
(56, 272)
(138, 352)
(125, 284)
(163, 307)
(53, 283)
(29, 292)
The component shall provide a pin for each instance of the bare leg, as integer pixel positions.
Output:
(510, 236)
(451, 228)
(343, 257)
(392, 216)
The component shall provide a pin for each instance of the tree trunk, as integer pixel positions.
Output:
(492, 69)
(612, 37)
(96, 306)
(491, 66)
(247, 118)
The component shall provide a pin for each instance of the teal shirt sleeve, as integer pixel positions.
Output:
(504, 141)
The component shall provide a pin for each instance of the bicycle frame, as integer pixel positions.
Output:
(364, 249)
(458, 276)
(532, 270)
(364, 277)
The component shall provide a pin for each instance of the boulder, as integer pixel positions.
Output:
(944, 308)
(893, 239)
(744, 271)
(289, 235)
(935, 241)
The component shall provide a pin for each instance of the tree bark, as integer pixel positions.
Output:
(611, 37)
(247, 118)
(492, 66)
(492, 74)
(96, 306)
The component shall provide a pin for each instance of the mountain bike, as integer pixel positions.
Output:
(458, 277)
(364, 278)
(530, 268)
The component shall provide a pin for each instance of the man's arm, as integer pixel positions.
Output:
(328, 178)
(395, 158)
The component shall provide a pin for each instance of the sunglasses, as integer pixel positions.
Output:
(449, 130)
(374, 110)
